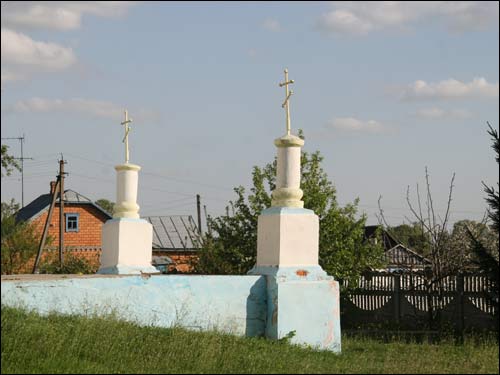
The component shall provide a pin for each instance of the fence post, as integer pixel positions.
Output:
(460, 307)
(397, 299)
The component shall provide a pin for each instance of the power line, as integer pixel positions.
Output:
(158, 174)
(22, 158)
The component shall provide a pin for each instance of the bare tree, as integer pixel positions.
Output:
(434, 230)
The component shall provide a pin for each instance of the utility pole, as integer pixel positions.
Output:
(47, 223)
(198, 207)
(61, 210)
(22, 158)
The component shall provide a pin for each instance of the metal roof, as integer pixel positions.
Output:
(178, 232)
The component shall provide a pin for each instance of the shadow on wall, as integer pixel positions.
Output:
(257, 309)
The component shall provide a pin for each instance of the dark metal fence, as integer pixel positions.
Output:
(408, 301)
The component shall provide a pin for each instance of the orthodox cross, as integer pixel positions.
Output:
(286, 102)
(127, 129)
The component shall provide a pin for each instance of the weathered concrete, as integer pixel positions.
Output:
(287, 236)
(126, 247)
(303, 300)
(234, 304)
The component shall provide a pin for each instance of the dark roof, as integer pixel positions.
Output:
(43, 202)
(389, 241)
(27, 212)
(178, 232)
(400, 255)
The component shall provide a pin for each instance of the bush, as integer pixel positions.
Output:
(72, 265)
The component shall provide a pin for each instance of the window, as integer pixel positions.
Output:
(72, 222)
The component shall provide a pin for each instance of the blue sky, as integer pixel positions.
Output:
(381, 89)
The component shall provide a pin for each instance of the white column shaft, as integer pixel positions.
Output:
(288, 168)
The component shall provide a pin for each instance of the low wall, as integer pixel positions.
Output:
(233, 304)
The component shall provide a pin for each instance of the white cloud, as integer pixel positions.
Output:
(272, 25)
(435, 113)
(363, 17)
(450, 88)
(95, 108)
(20, 49)
(354, 126)
(58, 15)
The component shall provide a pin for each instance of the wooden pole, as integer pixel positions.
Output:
(61, 212)
(198, 207)
(46, 228)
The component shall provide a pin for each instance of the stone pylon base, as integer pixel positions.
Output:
(287, 236)
(127, 247)
(303, 303)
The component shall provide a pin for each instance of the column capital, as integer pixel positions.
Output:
(289, 141)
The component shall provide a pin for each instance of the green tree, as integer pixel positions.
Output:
(230, 245)
(8, 162)
(106, 205)
(412, 236)
(487, 256)
(19, 240)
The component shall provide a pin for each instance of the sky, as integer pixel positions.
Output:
(382, 89)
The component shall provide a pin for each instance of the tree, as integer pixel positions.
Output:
(487, 256)
(412, 236)
(434, 230)
(19, 240)
(230, 245)
(460, 255)
(9, 163)
(106, 205)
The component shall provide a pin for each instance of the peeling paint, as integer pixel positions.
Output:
(233, 304)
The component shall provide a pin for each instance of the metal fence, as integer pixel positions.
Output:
(409, 301)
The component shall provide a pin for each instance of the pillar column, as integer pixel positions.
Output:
(127, 240)
(303, 301)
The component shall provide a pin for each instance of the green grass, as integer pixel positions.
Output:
(68, 344)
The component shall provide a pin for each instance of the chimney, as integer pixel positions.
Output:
(52, 187)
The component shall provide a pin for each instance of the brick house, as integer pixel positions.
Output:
(82, 227)
(175, 238)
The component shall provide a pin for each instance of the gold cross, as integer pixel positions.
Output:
(127, 129)
(286, 102)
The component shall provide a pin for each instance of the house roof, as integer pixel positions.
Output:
(400, 255)
(178, 232)
(395, 253)
(43, 202)
(388, 240)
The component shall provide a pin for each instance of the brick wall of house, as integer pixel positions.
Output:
(90, 225)
(183, 260)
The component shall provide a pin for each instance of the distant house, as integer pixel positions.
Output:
(176, 239)
(397, 256)
(176, 242)
(83, 221)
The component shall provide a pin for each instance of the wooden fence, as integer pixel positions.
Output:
(408, 301)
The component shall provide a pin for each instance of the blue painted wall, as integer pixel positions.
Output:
(233, 304)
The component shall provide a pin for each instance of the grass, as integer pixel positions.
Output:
(69, 344)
